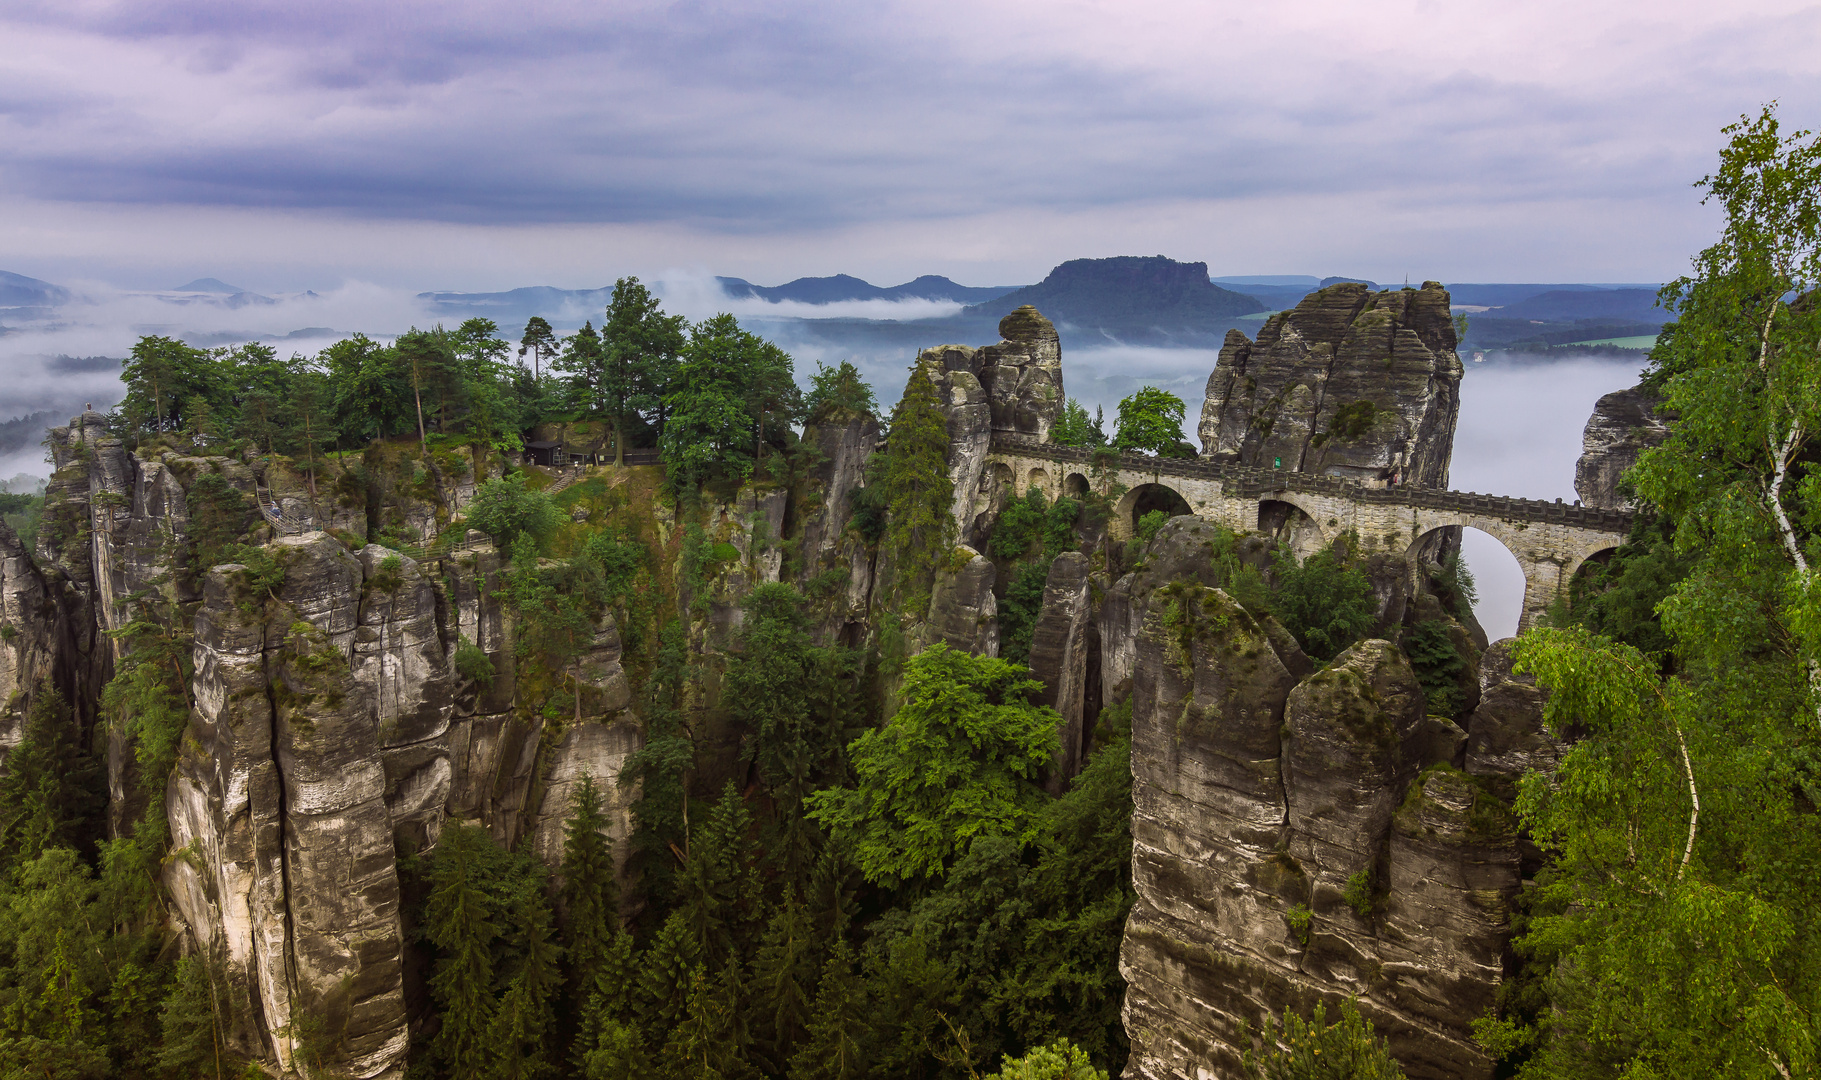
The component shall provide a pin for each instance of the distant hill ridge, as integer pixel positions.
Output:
(840, 287)
(209, 285)
(17, 290)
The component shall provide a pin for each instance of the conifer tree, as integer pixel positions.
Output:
(526, 1009)
(639, 349)
(607, 1007)
(711, 1042)
(192, 1044)
(920, 523)
(833, 1050)
(784, 976)
(665, 977)
(51, 790)
(539, 341)
(660, 769)
(581, 361)
(590, 895)
(460, 923)
(618, 1053)
(720, 882)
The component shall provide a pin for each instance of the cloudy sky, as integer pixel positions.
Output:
(284, 146)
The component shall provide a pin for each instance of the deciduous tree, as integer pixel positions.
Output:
(1151, 421)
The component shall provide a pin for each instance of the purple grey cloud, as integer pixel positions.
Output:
(793, 119)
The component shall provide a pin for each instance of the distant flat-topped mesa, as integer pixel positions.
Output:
(1350, 383)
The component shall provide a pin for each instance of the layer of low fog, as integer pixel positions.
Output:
(1519, 432)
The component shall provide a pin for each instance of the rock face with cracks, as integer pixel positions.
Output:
(27, 637)
(281, 794)
(1349, 383)
(1012, 388)
(330, 734)
(1303, 836)
(1065, 657)
(1299, 835)
(1624, 424)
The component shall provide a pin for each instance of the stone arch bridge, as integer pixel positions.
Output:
(1549, 540)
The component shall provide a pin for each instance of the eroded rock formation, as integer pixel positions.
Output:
(328, 738)
(1350, 383)
(1012, 388)
(1301, 837)
(1624, 424)
(1299, 834)
(28, 631)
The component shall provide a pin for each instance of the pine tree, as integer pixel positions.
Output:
(665, 976)
(711, 1042)
(592, 936)
(618, 1053)
(590, 894)
(539, 341)
(833, 1050)
(191, 1046)
(660, 769)
(607, 1006)
(525, 1011)
(461, 924)
(639, 349)
(581, 360)
(720, 882)
(51, 791)
(920, 523)
(783, 977)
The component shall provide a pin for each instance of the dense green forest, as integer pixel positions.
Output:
(890, 890)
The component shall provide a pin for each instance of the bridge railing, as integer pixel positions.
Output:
(1251, 482)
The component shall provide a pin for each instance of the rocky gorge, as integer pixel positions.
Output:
(1304, 828)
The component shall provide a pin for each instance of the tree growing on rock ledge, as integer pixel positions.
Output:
(732, 391)
(1313, 1049)
(1151, 421)
(919, 528)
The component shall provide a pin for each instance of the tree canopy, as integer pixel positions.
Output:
(732, 390)
(1676, 932)
(1151, 421)
(957, 761)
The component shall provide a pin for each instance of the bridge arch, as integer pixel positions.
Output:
(1498, 572)
(1549, 541)
(1143, 499)
(1284, 517)
(1573, 568)
(1584, 563)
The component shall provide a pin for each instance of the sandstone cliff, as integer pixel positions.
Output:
(1302, 836)
(1299, 835)
(1349, 383)
(1624, 424)
(330, 737)
(1012, 388)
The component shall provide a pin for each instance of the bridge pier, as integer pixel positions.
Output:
(1543, 582)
